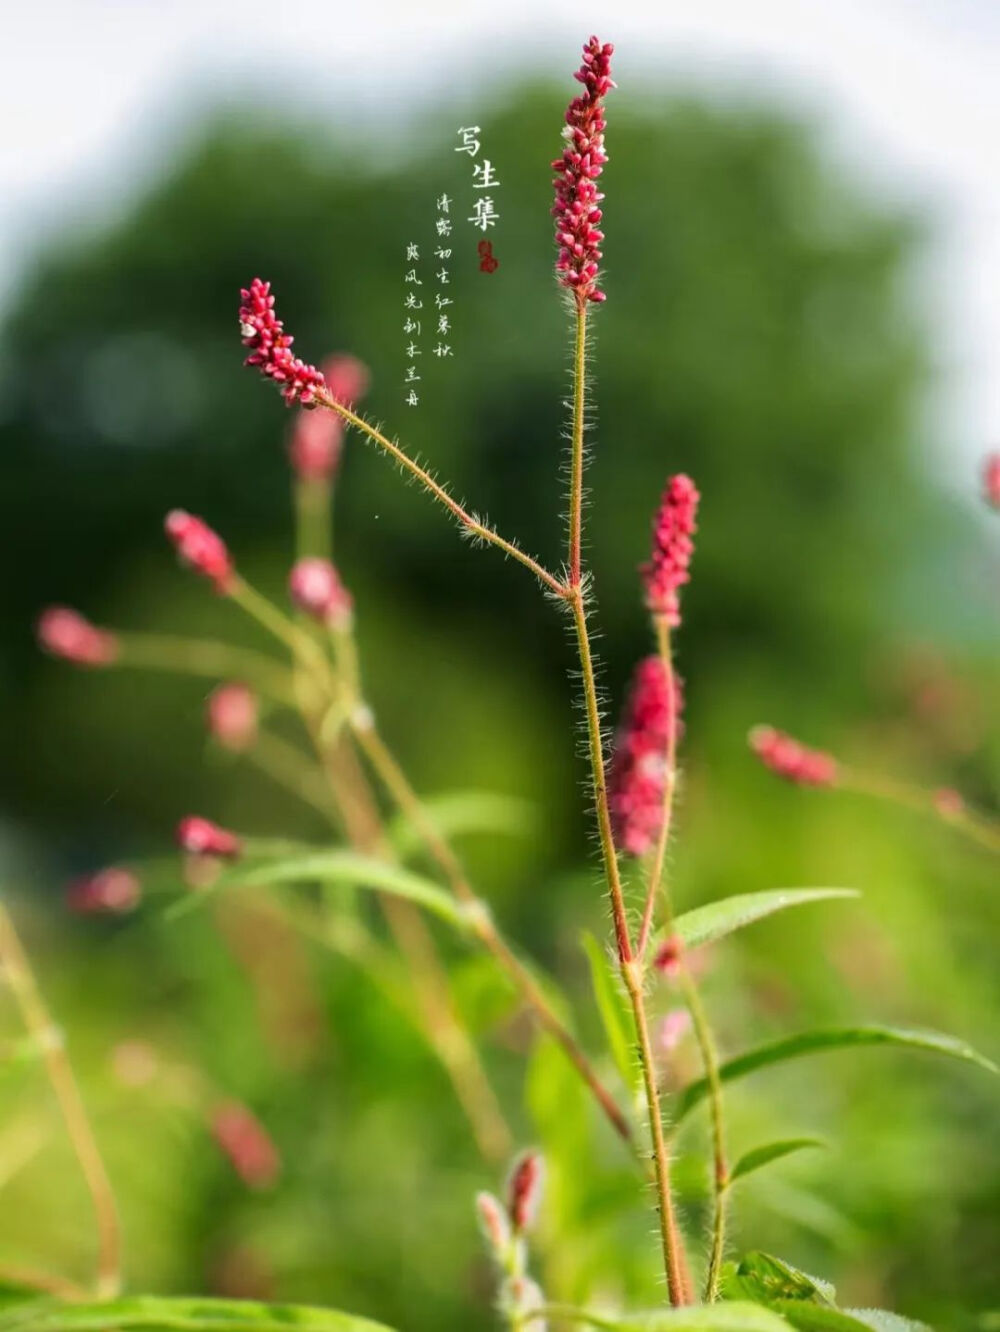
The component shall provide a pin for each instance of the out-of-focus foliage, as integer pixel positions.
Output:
(759, 334)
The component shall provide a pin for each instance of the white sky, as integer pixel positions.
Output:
(909, 91)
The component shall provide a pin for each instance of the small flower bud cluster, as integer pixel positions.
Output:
(263, 332)
(524, 1191)
(577, 206)
(200, 548)
(669, 956)
(316, 590)
(247, 1145)
(111, 890)
(991, 480)
(231, 715)
(792, 760)
(638, 773)
(201, 837)
(64, 633)
(673, 529)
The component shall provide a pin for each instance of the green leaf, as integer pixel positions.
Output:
(832, 1038)
(765, 1278)
(618, 1025)
(884, 1321)
(759, 1157)
(713, 921)
(816, 1318)
(194, 1315)
(345, 867)
(723, 1317)
(459, 813)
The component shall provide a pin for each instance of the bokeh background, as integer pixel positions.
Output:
(799, 266)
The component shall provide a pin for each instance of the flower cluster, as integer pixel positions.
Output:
(524, 1191)
(111, 890)
(317, 437)
(577, 207)
(673, 529)
(316, 589)
(65, 633)
(201, 837)
(271, 347)
(792, 760)
(200, 548)
(247, 1144)
(231, 715)
(638, 774)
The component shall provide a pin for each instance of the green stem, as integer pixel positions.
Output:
(710, 1060)
(197, 656)
(977, 827)
(576, 456)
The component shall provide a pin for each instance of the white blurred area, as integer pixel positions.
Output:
(907, 92)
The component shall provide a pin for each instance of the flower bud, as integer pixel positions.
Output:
(112, 890)
(669, 956)
(316, 590)
(524, 1190)
(65, 633)
(791, 760)
(201, 837)
(200, 548)
(231, 715)
(247, 1144)
(494, 1222)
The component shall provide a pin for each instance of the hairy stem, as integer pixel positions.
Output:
(631, 970)
(18, 973)
(398, 786)
(576, 455)
(472, 525)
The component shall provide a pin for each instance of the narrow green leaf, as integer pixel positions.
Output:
(713, 921)
(194, 1315)
(339, 867)
(617, 1022)
(758, 1157)
(818, 1318)
(722, 1317)
(884, 1321)
(833, 1038)
(459, 813)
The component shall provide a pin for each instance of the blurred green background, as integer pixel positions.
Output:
(762, 333)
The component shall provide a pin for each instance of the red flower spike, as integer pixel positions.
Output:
(112, 890)
(668, 956)
(577, 207)
(347, 378)
(991, 480)
(524, 1191)
(493, 1222)
(247, 1144)
(638, 771)
(316, 589)
(231, 715)
(201, 837)
(200, 548)
(792, 760)
(270, 347)
(670, 558)
(65, 633)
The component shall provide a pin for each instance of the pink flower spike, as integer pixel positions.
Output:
(991, 480)
(670, 559)
(112, 890)
(200, 548)
(577, 207)
(792, 760)
(247, 1145)
(493, 1222)
(638, 771)
(201, 837)
(64, 633)
(231, 715)
(316, 589)
(674, 1027)
(316, 444)
(524, 1191)
(270, 347)
(347, 378)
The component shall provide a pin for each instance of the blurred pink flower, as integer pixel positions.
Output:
(111, 890)
(231, 715)
(316, 589)
(65, 633)
(637, 776)
(247, 1144)
(201, 837)
(670, 559)
(200, 548)
(791, 760)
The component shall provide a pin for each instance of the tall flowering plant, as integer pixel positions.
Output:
(347, 769)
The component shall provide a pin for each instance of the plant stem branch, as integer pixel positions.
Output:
(472, 525)
(576, 456)
(20, 977)
(196, 656)
(720, 1174)
(631, 969)
(978, 827)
